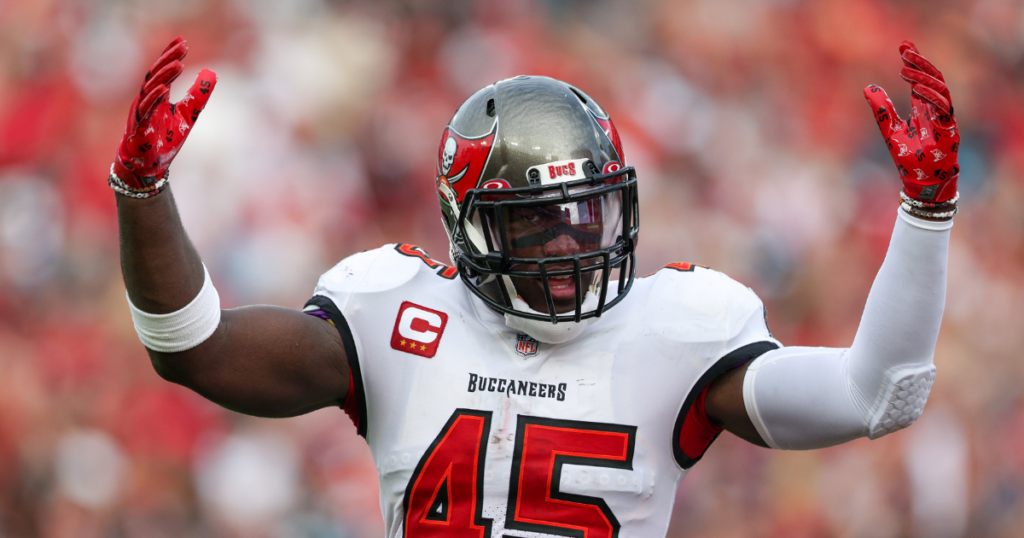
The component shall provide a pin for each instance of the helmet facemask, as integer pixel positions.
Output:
(556, 247)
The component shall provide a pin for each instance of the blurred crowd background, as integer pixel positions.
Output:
(756, 155)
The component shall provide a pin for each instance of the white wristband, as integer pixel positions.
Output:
(183, 329)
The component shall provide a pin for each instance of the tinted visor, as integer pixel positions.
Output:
(558, 229)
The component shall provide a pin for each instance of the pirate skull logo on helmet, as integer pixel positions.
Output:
(448, 157)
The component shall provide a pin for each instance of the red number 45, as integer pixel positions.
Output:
(444, 497)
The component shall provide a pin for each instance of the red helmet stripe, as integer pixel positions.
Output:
(461, 160)
(613, 133)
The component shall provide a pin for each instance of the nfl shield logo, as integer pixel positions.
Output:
(525, 345)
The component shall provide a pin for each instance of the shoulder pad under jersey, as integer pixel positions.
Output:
(692, 303)
(380, 269)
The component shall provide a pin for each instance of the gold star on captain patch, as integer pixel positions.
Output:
(422, 348)
(402, 343)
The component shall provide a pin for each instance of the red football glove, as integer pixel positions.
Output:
(156, 128)
(925, 150)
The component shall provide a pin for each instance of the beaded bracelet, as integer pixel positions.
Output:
(928, 214)
(122, 188)
(929, 205)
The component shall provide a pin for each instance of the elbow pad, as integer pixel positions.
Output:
(902, 401)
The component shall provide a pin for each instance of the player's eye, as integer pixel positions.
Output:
(532, 217)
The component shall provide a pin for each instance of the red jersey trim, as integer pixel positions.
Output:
(698, 432)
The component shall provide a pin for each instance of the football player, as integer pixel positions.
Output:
(538, 387)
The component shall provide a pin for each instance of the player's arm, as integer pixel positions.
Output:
(801, 398)
(259, 360)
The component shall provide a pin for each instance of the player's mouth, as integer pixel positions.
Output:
(562, 287)
(563, 291)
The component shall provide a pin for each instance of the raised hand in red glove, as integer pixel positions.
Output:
(157, 128)
(925, 148)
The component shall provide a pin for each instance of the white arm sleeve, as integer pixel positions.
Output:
(802, 398)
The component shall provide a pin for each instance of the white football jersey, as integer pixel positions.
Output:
(477, 430)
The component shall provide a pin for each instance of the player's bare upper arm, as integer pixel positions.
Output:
(725, 408)
(264, 360)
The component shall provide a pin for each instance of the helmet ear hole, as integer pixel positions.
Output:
(490, 107)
